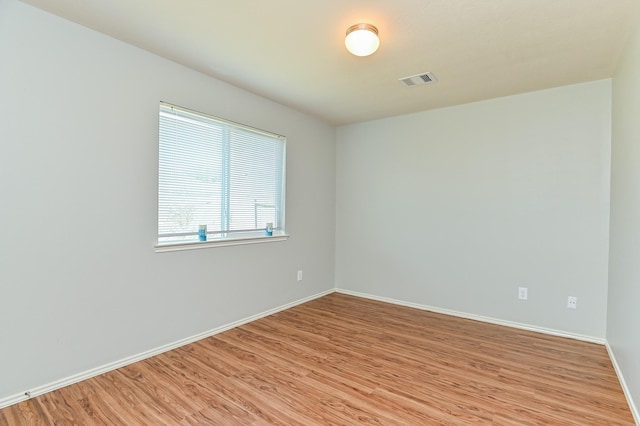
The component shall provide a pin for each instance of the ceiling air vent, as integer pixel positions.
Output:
(418, 79)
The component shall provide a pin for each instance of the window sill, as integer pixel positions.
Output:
(195, 245)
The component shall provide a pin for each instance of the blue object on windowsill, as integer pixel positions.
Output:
(202, 233)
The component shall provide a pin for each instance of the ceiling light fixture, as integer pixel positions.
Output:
(362, 39)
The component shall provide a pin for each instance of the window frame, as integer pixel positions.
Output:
(222, 237)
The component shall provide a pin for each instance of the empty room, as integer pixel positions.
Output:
(369, 212)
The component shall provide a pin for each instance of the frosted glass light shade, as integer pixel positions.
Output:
(362, 39)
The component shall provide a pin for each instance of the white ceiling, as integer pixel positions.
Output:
(292, 51)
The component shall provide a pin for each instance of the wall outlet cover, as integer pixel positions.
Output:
(522, 293)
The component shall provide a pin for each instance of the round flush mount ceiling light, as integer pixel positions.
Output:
(362, 39)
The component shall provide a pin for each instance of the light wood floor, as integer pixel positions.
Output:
(349, 361)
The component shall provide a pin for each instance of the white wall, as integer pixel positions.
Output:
(457, 207)
(623, 328)
(80, 283)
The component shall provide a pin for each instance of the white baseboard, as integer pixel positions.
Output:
(14, 399)
(623, 383)
(489, 320)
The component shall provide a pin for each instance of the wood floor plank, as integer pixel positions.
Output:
(60, 406)
(343, 360)
(25, 413)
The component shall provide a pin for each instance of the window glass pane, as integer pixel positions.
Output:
(218, 174)
(255, 179)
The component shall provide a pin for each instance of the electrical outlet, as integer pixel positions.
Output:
(572, 302)
(522, 293)
(300, 275)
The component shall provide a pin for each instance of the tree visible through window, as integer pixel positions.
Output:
(213, 172)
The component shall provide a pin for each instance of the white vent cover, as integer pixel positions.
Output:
(418, 79)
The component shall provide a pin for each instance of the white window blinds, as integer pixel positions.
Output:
(217, 173)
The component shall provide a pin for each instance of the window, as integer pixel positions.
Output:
(213, 172)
